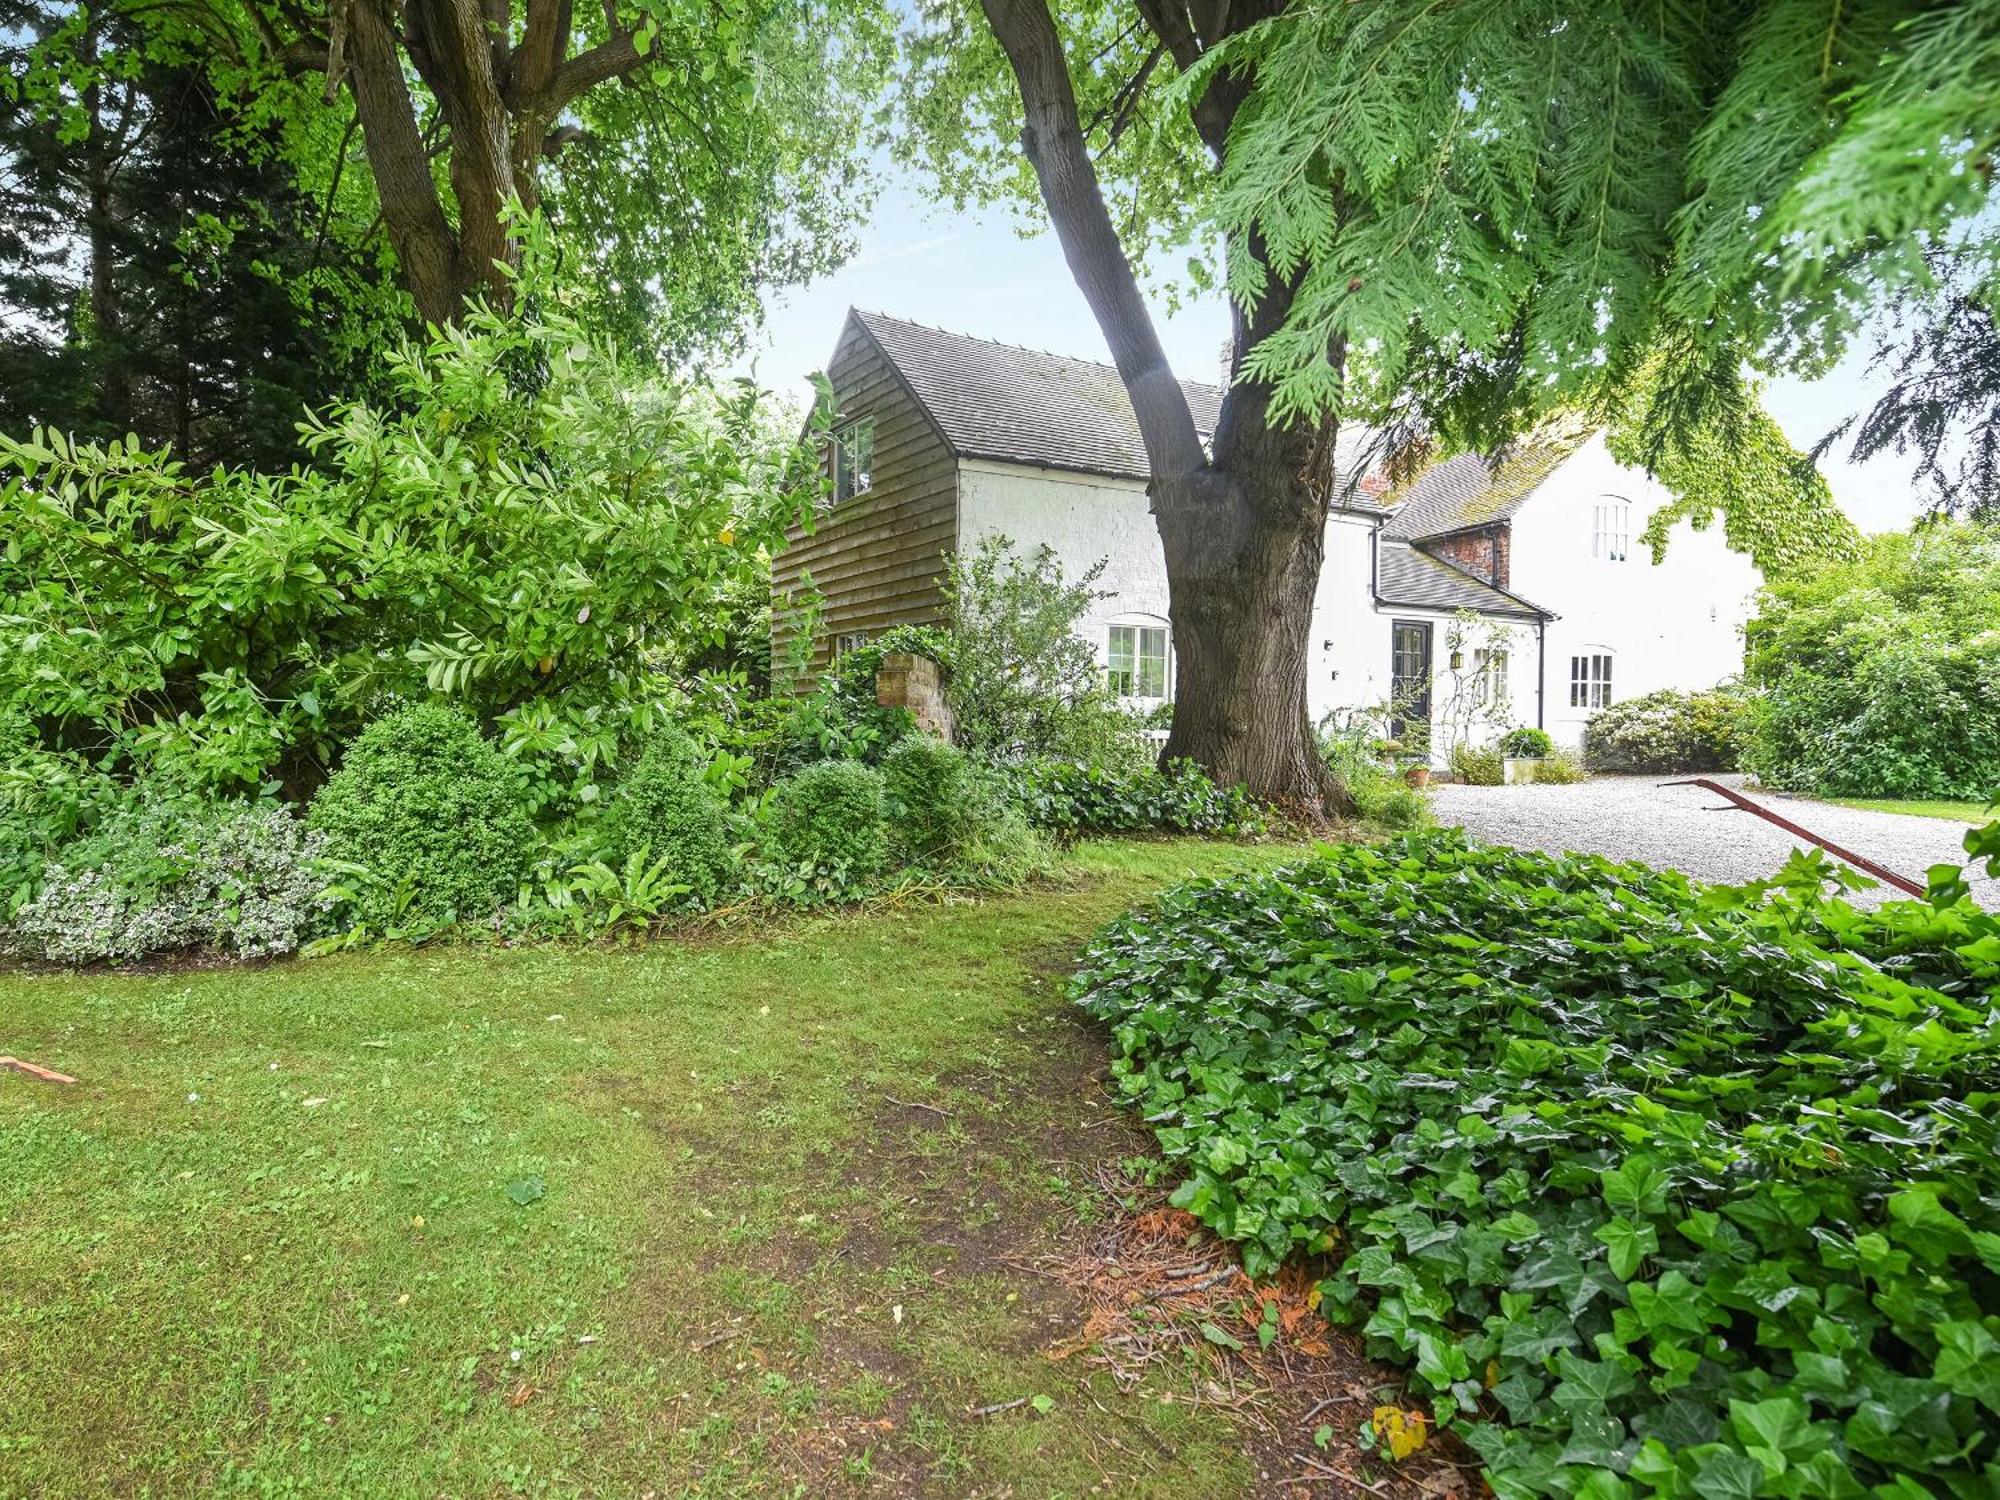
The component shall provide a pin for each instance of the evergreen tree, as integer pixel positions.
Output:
(160, 272)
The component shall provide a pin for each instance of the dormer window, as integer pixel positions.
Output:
(853, 459)
(1611, 531)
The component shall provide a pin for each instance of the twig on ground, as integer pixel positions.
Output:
(912, 1104)
(716, 1338)
(999, 1406)
(1188, 1291)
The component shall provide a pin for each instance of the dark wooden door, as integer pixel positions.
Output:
(1410, 682)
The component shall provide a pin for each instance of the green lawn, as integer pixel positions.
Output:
(1957, 812)
(268, 1244)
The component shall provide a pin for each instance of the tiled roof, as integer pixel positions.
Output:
(1413, 578)
(1464, 492)
(1021, 405)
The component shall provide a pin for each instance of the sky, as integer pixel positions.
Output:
(975, 273)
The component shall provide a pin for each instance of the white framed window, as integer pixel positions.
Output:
(1590, 680)
(853, 459)
(848, 640)
(1138, 661)
(1611, 531)
(1489, 675)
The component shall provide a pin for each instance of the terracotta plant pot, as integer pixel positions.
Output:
(1418, 776)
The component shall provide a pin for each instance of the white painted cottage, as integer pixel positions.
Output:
(1472, 599)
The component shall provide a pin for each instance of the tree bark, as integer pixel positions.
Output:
(1243, 526)
(498, 101)
(426, 245)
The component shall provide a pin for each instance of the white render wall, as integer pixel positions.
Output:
(1084, 518)
(1675, 625)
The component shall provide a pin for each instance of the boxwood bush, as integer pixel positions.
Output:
(664, 807)
(428, 810)
(1697, 1194)
(830, 819)
(931, 792)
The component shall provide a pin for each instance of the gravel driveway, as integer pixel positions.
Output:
(1635, 817)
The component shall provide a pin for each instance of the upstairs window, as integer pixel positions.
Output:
(1611, 531)
(1590, 680)
(853, 459)
(1138, 656)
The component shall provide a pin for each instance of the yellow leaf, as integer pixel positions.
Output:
(1402, 1432)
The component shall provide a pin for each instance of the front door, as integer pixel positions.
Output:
(1410, 683)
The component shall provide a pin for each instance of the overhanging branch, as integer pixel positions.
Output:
(1052, 136)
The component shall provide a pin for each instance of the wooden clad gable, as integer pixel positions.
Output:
(878, 560)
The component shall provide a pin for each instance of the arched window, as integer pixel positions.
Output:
(1138, 658)
(1590, 678)
(1611, 530)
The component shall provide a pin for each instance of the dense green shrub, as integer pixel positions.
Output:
(1526, 743)
(958, 816)
(522, 519)
(663, 808)
(1664, 732)
(1476, 765)
(1024, 681)
(1560, 768)
(1353, 749)
(428, 811)
(931, 792)
(168, 875)
(1695, 1204)
(1070, 800)
(830, 820)
(1881, 677)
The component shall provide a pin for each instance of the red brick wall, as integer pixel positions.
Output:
(1486, 553)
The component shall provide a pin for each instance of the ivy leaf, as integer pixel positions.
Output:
(1775, 1431)
(1217, 1335)
(1629, 1244)
(1638, 1187)
(1968, 1361)
(1728, 1475)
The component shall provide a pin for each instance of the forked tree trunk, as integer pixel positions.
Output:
(1244, 524)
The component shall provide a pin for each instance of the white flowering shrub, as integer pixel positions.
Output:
(239, 879)
(1665, 731)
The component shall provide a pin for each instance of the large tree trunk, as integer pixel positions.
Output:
(1243, 526)
(1243, 561)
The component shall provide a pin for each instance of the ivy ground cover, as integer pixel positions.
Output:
(1660, 1190)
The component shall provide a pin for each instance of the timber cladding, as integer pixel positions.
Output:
(878, 559)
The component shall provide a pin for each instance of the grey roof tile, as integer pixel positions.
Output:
(1018, 405)
(1411, 577)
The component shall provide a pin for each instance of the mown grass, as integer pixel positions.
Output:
(268, 1244)
(1954, 811)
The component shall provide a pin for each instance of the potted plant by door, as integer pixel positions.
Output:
(1417, 773)
(1522, 752)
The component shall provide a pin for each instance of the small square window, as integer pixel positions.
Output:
(853, 459)
(849, 640)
